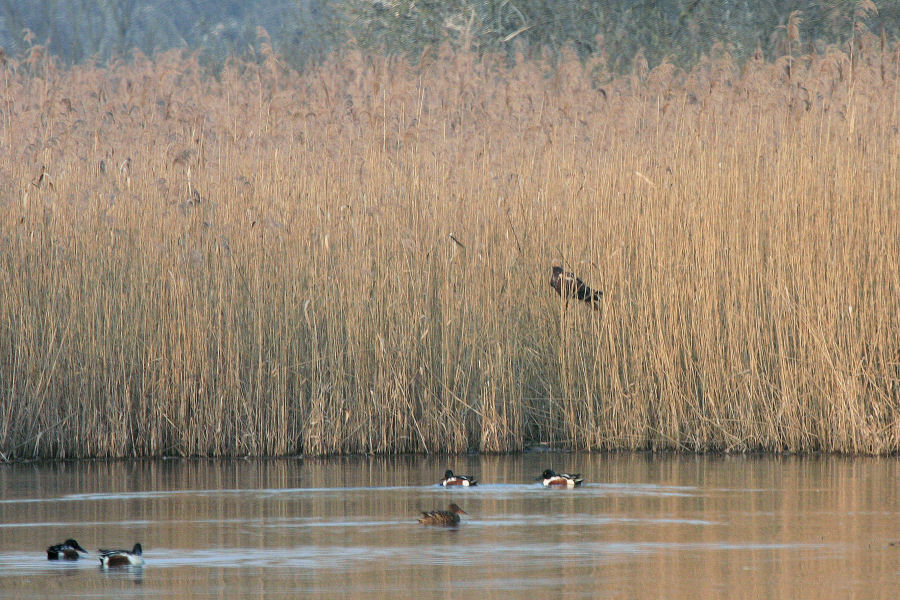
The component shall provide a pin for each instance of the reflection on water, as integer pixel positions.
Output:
(641, 526)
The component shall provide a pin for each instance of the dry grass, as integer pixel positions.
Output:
(367, 267)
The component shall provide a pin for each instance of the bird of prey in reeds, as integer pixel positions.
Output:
(568, 285)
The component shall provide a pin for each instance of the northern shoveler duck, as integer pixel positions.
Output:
(553, 479)
(442, 517)
(121, 558)
(68, 550)
(463, 480)
(568, 285)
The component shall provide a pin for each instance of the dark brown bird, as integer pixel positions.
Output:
(568, 285)
(442, 517)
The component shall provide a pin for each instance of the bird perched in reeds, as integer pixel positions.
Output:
(568, 285)
(121, 558)
(68, 550)
(463, 480)
(442, 517)
(552, 479)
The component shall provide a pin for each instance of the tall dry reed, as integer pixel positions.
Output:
(356, 259)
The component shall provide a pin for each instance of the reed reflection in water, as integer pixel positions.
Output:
(641, 526)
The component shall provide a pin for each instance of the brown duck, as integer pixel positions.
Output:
(442, 517)
(568, 285)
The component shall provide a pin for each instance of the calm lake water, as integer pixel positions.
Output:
(642, 526)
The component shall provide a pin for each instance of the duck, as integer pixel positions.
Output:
(552, 479)
(121, 558)
(463, 480)
(448, 517)
(68, 550)
(568, 285)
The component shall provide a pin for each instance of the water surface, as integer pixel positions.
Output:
(642, 526)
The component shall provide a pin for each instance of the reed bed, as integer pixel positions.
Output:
(356, 258)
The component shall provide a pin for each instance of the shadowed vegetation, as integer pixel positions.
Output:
(680, 32)
(356, 259)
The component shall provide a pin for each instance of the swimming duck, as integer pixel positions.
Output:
(68, 550)
(568, 285)
(552, 479)
(442, 517)
(463, 480)
(121, 558)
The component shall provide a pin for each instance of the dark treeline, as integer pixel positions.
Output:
(680, 31)
(80, 30)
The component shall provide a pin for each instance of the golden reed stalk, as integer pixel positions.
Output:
(357, 258)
